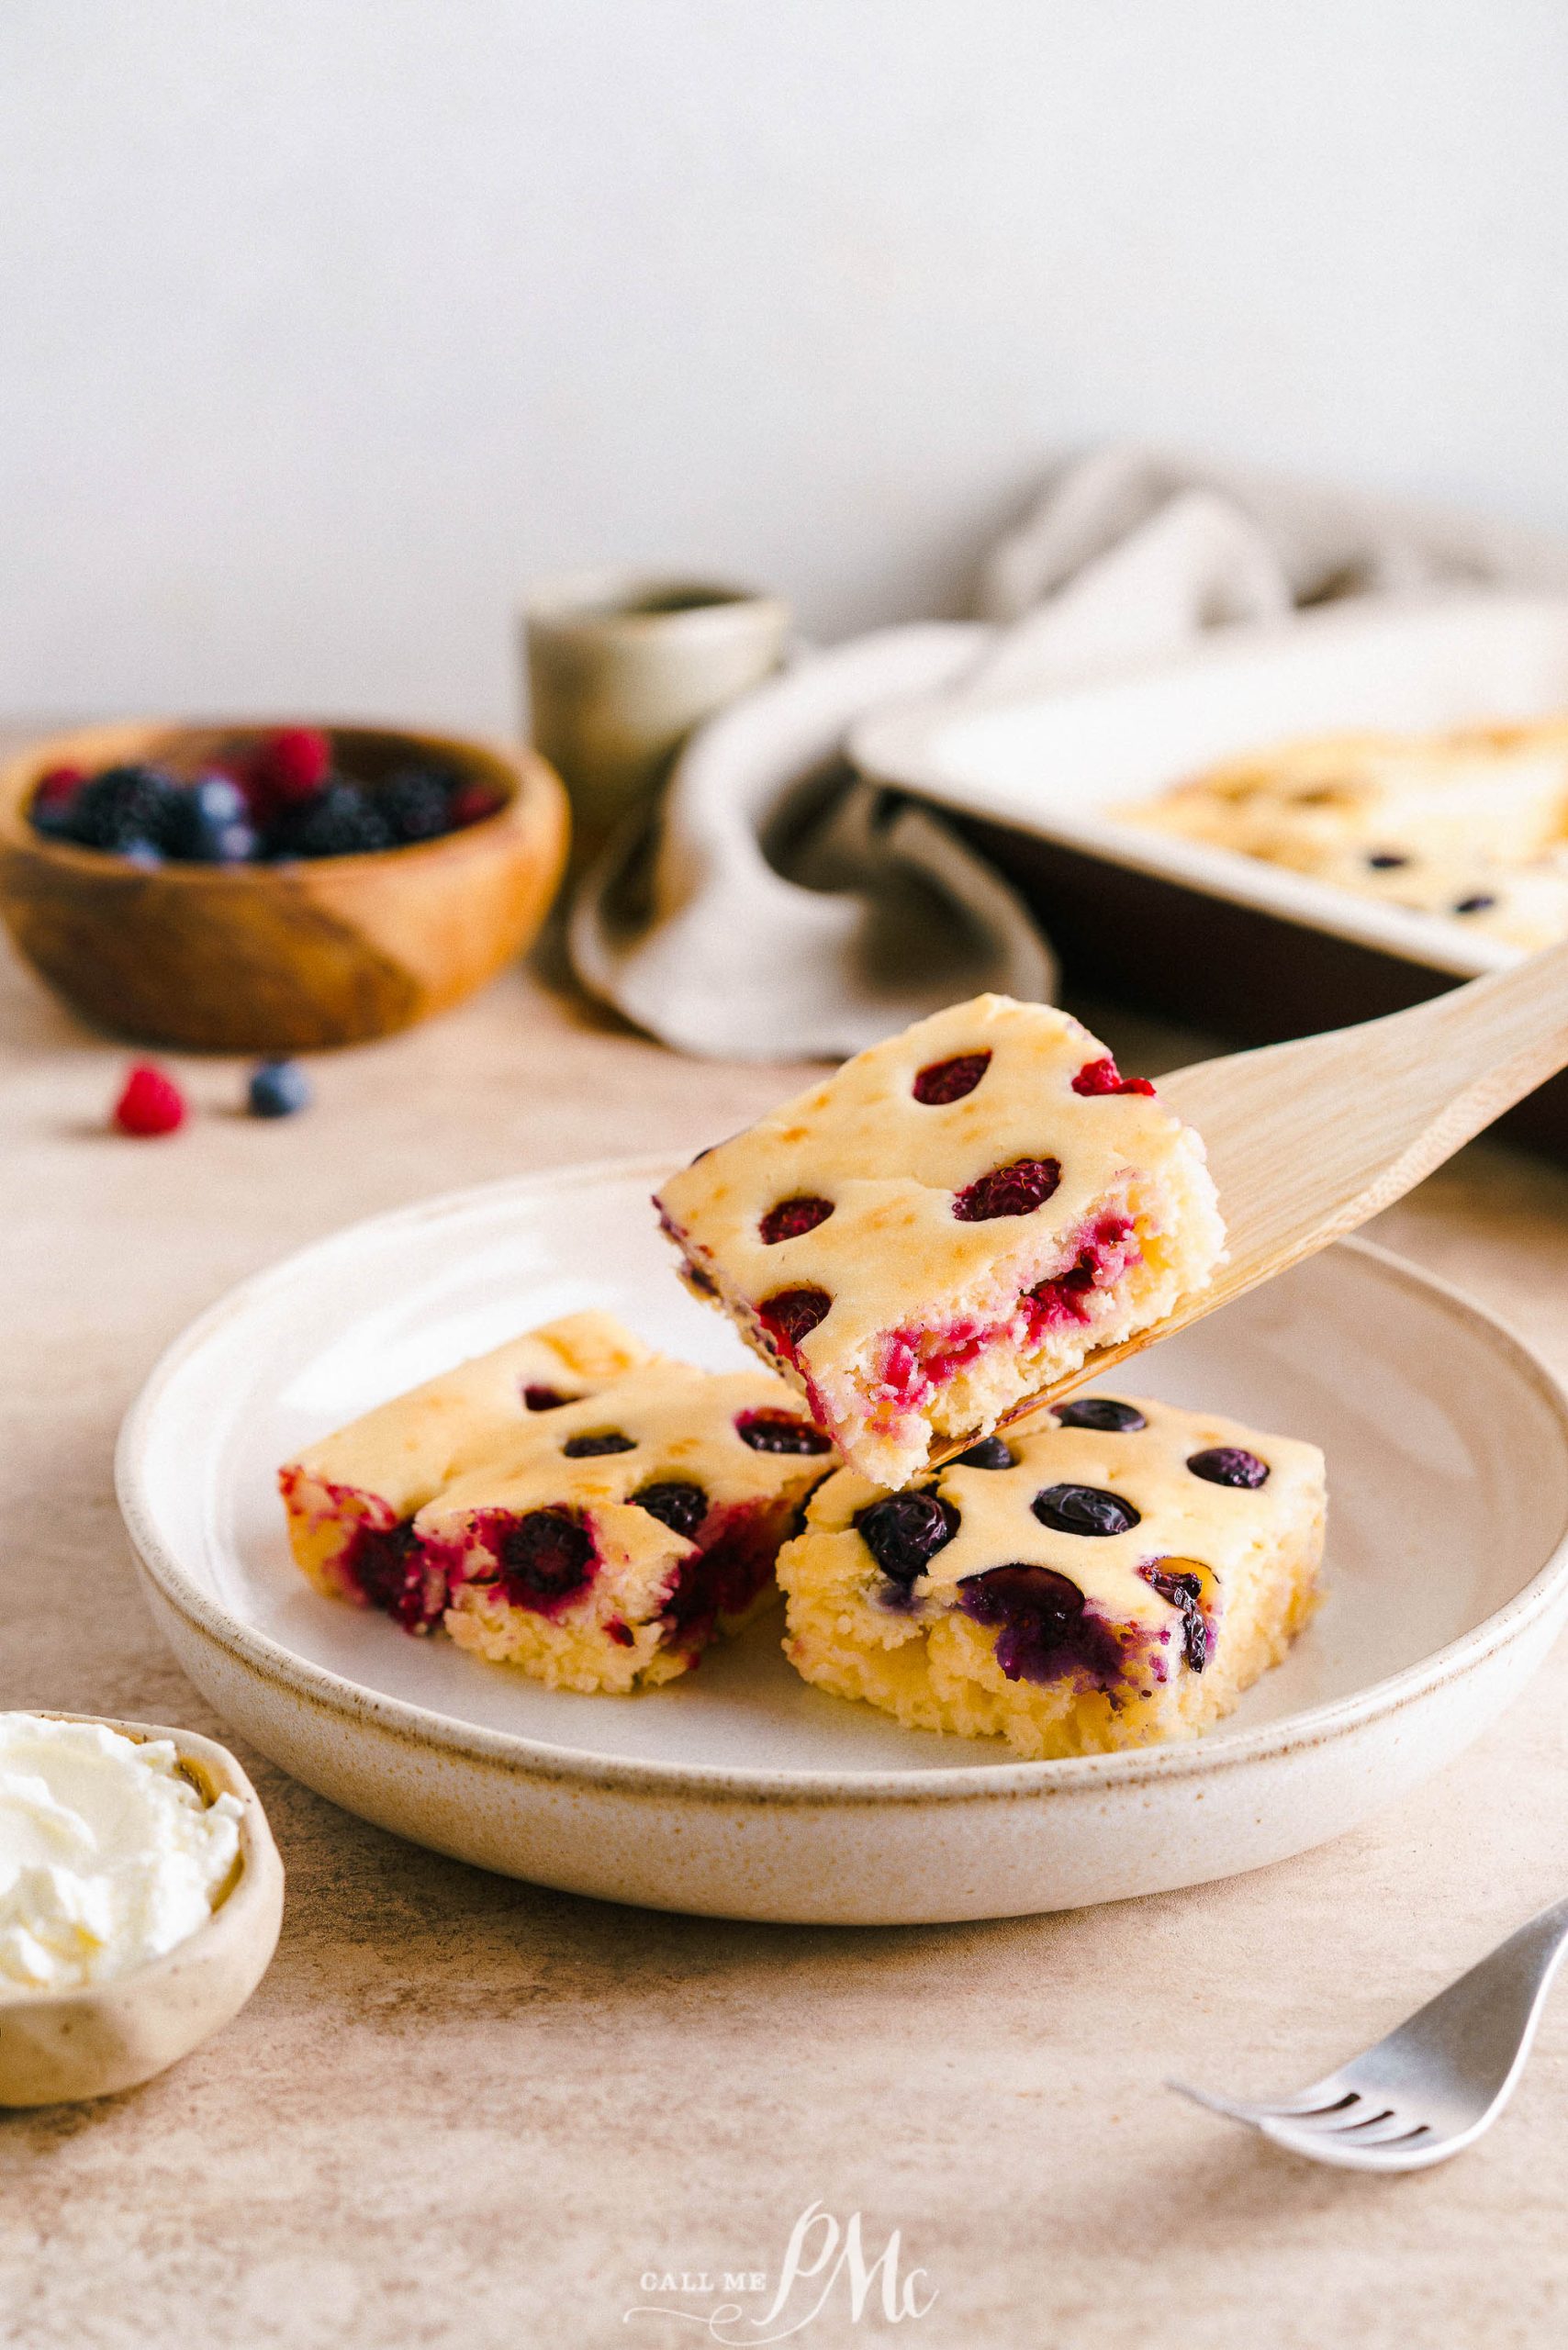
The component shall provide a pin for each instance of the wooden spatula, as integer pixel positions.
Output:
(1308, 1140)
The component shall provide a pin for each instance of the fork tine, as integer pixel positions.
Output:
(1322, 2097)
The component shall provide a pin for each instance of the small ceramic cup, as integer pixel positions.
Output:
(61, 2045)
(622, 666)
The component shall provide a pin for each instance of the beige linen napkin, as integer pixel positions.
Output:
(780, 909)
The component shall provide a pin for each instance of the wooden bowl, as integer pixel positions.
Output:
(284, 958)
(60, 2045)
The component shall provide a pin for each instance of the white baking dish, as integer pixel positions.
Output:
(1052, 763)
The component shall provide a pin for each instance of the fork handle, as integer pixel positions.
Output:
(1487, 2020)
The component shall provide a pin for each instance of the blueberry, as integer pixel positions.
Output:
(1475, 905)
(680, 1507)
(416, 803)
(143, 854)
(210, 823)
(589, 1447)
(1184, 1591)
(546, 1399)
(278, 1089)
(1044, 1632)
(123, 806)
(781, 1432)
(989, 1453)
(1386, 860)
(904, 1533)
(1084, 1509)
(1102, 1413)
(342, 820)
(1230, 1464)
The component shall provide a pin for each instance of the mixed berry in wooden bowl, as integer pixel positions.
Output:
(273, 889)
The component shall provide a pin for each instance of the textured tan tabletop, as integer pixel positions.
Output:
(463, 2110)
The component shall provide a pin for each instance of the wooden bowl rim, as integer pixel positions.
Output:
(527, 779)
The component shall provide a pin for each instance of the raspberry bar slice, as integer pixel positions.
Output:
(352, 1498)
(952, 1221)
(1114, 1579)
(606, 1551)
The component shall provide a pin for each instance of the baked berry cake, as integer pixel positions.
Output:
(353, 1497)
(1114, 1578)
(952, 1221)
(608, 1552)
(572, 1504)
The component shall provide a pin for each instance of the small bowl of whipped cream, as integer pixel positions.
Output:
(141, 1897)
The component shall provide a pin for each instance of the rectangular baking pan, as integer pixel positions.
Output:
(1202, 934)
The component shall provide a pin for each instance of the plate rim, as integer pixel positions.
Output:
(518, 1756)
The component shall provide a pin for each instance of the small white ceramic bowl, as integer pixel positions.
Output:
(57, 2046)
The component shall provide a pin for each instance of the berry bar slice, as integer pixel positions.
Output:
(1116, 1578)
(609, 1548)
(352, 1498)
(949, 1223)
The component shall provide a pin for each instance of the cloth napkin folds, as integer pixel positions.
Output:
(779, 907)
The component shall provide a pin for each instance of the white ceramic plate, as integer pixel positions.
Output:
(739, 1791)
(1054, 762)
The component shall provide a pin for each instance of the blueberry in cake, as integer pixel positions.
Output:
(952, 1221)
(352, 1498)
(572, 1504)
(1116, 1577)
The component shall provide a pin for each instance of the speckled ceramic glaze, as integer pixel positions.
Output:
(57, 2046)
(741, 1792)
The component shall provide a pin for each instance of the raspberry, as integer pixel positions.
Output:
(58, 785)
(792, 1314)
(151, 1102)
(791, 1217)
(947, 1081)
(1104, 1077)
(471, 803)
(1015, 1190)
(292, 765)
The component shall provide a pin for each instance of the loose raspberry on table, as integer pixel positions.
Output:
(149, 1103)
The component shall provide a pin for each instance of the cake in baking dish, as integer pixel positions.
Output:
(1115, 1577)
(952, 1221)
(1471, 824)
(574, 1505)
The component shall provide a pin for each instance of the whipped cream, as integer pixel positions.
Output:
(109, 1856)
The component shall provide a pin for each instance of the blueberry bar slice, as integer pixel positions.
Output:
(948, 1224)
(1116, 1577)
(609, 1550)
(351, 1499)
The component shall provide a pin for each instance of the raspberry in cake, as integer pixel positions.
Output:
(1121, 1578)
(606, 1547)
(951, 1221)
(352, 1498)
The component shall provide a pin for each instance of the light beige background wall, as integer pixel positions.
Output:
(324, 323)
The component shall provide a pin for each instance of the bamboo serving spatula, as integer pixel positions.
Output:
(1308, 1140)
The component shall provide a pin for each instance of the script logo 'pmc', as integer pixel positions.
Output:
(817, 2257)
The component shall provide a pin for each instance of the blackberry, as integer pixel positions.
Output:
(675, 1504)
(342, 820)
(125, 805)
(416, 803)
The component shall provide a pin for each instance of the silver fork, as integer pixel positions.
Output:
(1437, 2082)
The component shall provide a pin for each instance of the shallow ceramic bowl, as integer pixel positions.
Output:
(280, 958)
(60, 2045)
(739, 1791)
